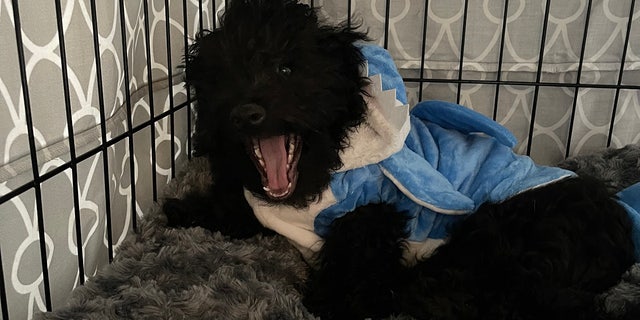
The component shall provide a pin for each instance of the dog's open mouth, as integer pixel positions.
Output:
(277, 158)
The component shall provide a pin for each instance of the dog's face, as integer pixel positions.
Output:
(277, 94)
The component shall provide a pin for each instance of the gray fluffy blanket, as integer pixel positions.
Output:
(162, 273)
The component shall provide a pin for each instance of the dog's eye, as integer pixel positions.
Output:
(283, 70)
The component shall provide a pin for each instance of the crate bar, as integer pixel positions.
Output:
(129, 134)
(619, 82)
(387, 19)
(72, 144)
(423, 49)
(505, 15)
(170, 75)
(185, 20)
(538, 76)
(3, 292)
(103, 129)
(214, 7)
(147, 41)
(574, 106)
(349, 9)
(33, 153)
(462, 41)
(201, 21)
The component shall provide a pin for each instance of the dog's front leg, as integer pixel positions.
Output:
(359, 265)
(221, 208)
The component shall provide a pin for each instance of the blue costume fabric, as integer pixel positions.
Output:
(450, 160)
(629, 198)
(440, 174)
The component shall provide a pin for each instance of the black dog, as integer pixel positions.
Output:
(279, 96)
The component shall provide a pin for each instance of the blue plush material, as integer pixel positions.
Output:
(441, 174)
(453, 160)
(630, 199)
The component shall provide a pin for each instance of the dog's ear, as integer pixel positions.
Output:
(198, 77)
(193, 63)
(341, 36)
(338, 41)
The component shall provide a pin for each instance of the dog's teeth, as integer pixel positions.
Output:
(266, 189)
(292, 143)
(256, 150)
(261, 162)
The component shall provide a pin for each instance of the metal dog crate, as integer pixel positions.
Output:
(96, 119)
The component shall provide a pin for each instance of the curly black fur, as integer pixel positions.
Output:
(360, 265)
(274, 70)
(543, 254)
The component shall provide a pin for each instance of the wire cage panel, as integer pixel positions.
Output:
(97, 119)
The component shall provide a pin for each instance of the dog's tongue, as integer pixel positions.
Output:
(274, 154)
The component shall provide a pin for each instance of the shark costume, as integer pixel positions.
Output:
(438, 163)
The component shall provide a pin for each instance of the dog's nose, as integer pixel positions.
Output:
(249, 114)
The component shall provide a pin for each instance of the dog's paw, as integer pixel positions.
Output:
(177, 213)
(360, 264)
(193, 210)
(229, 214)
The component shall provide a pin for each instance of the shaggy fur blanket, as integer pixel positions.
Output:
(161, 273)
